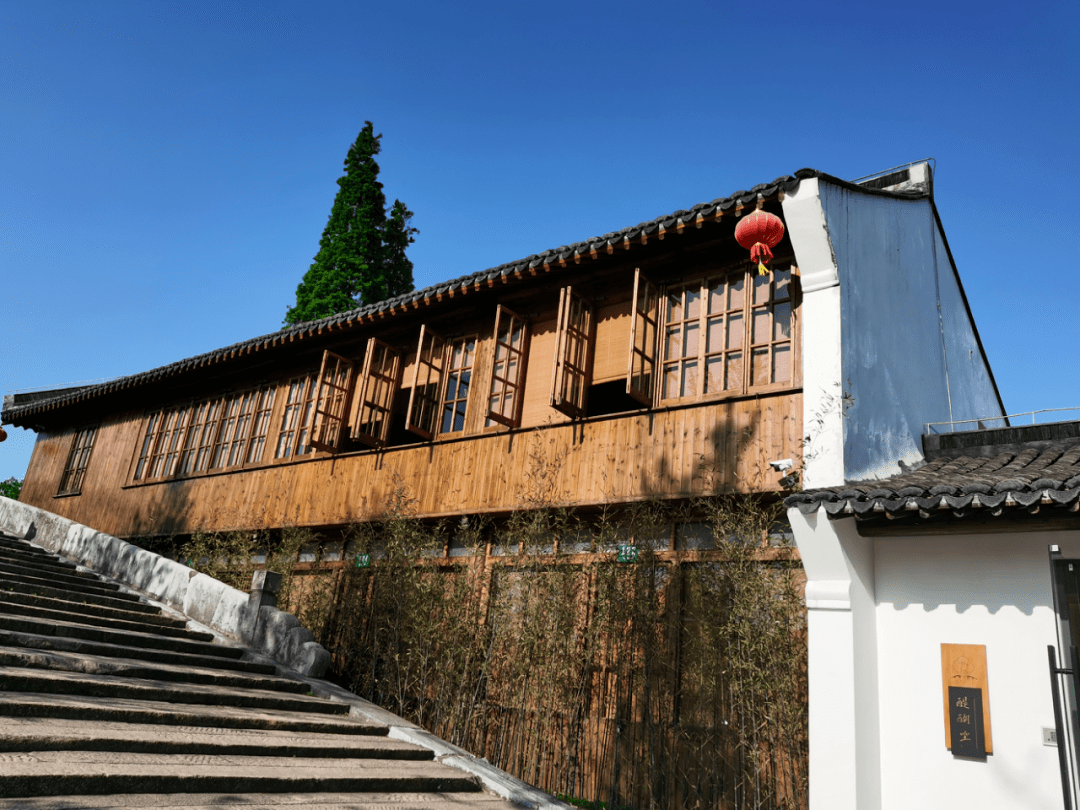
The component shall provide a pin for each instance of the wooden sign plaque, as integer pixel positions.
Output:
(963, 673)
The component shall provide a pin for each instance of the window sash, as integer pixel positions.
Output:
(508, 368)
(423, 412)
(260, 424)
(727, 334)
(78, 459)
(461, 357)
(644, 319)
(378, 385)
(296, 418)
(332, 402)
(573, 354)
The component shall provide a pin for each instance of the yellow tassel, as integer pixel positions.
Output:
(761, 269)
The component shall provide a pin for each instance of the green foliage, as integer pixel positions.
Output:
(361, 258)
(11, 488)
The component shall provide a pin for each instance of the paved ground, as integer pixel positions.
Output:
(109, 702)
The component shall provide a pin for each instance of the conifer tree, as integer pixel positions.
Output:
(361, 258)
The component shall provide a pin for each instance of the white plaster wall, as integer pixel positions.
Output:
(904, 362)
(967, 589)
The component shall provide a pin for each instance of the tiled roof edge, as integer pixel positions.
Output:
(303, 330)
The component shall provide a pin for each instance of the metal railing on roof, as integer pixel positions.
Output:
(998, 418)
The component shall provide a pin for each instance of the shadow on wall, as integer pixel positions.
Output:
(994, 572)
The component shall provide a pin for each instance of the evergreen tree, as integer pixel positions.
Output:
(361, 256)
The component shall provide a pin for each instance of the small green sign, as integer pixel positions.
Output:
(626, 553)
(363, 560)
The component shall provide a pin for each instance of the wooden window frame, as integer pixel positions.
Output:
(261, 421)
(747, 348)
(452, 383)
(82, 445)
(508, 388)
(425, 397)
(292, 420)
(378, 385)
(571, 374)
(641, 373)
(332, 399)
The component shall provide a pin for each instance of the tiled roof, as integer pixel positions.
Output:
(1038, 476)
(675, 220)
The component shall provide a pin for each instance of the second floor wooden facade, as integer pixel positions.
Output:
(667, 370)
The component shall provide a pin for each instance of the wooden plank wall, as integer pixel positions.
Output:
(665, 453)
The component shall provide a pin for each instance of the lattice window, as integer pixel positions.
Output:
(167, 446)
(710, 324)
(260, 424)
(77, 461)
(573, 354)
(462, 357)
(149, 442)
(332, 402)
(423, 413)
(378, 384)
(296, 418)
(194, 438)
(508, 369)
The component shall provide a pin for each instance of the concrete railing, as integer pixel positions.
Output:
(250, 618)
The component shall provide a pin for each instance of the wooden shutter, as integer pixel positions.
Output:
(644, 317)
(378, 384)
(508, 368)
(573, 354)
(423, 413)
(332, 400)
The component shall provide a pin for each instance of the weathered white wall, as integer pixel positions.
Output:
(879, 610)
(904, 361)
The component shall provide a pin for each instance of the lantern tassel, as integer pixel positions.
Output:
(761, 254)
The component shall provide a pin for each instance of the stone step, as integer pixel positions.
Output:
(108, 687)
(276, 801)
(119, 710)
(18, 735)
(100, 665)
(87, 609)
(118, 600)
(81, 583)
(59, 773)
(69, 612)
(127, 638)
(36, 557)
(36, 641)
(7, 541)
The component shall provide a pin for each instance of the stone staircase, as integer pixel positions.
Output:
(107, 701)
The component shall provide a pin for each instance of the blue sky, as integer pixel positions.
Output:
(166, 169)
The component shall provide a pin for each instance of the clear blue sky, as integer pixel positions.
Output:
(166, 169)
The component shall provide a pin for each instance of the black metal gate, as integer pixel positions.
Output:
(1064, 664)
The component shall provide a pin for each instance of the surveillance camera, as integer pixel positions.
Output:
(782, 464)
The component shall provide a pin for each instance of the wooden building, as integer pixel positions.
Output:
(649, 363)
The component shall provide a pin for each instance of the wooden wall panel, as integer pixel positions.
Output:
(724, 446)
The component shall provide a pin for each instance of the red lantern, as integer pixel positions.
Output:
(759, 233)
(3, 434)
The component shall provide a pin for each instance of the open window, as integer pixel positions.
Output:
(332, 401)
(644, 317)
(508, 370)
(423, 412)
(378, 383)
(573, 354)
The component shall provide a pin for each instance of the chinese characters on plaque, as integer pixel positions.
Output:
(968, 738)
